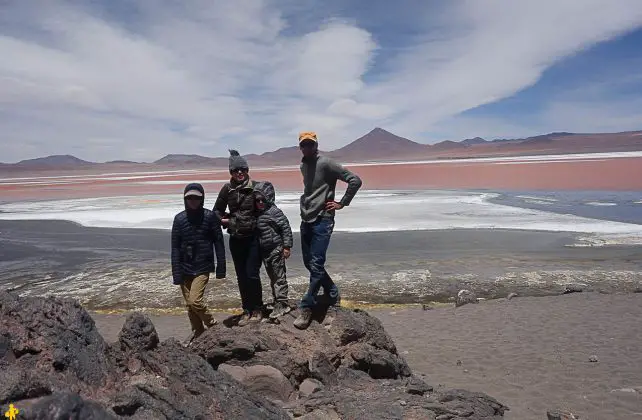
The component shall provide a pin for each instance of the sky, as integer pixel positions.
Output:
(139, 79)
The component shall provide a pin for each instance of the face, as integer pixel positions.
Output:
(259, 202)
(193, 202)
(239, 174)
(308, 148)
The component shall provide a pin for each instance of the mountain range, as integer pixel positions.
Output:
(378, 145)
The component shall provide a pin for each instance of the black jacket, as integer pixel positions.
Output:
(240, 200)
(194, 233)
(272, 225)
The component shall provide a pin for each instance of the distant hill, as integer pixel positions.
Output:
(57, 161)
(378, 145)
(447, 145)
(174, 159)
(470, 142)
(122, 162)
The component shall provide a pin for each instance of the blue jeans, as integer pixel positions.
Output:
(315, 239)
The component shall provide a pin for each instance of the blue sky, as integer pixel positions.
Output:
(140, 79)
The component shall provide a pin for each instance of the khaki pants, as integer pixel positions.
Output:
(193, 289)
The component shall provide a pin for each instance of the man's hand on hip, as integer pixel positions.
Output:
(286, 253)
(333, 205)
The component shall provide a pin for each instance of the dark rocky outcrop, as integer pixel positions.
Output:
(54, 365)
(344, 366)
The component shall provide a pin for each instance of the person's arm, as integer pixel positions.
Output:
(177, 275)
(284, 228)
(221, 205)
(352, 179)
(219, 247)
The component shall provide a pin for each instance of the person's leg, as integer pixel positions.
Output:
(306, 237)
(238, 249)
(194, 320)
(253, 273)
(275, 267)
(196, 302)
(306, 242)
(268, 262)
(326, 228)
(319, 239)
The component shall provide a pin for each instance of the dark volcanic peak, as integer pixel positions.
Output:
(381, 143)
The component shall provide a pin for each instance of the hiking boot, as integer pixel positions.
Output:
(245, 319)
(280, 309)
(303, 320)
(211, 323)
(257, 315)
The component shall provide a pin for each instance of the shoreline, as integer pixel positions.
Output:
(111, 269)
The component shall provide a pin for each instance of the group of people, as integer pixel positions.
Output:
(259, 233)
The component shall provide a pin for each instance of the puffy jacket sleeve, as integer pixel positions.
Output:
(177, 275)
(221, 202)
(219, 247)
(283, 225)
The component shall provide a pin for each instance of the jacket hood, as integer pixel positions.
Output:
(266, 189)
(194, 186)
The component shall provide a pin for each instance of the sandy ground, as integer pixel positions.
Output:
(531, 353)
(616, 174)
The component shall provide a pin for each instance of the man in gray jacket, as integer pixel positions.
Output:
(318, 207)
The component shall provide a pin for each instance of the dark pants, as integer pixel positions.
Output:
(246, 255)
(315, 239)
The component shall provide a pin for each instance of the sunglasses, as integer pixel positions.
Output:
(306, 144)
(260, 200)
(193, 198)
(241, 170)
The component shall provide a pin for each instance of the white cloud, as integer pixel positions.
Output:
(157, 77)
(493, 49)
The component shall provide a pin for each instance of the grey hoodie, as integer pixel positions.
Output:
(320, 175)
(272, 225)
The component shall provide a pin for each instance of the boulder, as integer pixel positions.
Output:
(464, 297)
(138, 333)
(309, 387)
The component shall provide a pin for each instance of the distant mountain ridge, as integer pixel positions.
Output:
(379, 145)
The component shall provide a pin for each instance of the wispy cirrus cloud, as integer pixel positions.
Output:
(140, 79)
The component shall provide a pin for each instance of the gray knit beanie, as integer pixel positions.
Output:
(237, 161)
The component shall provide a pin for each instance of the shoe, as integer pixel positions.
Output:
(245, 319)
(304, 319)
(280, 309)
(257, 315)
(190, 340)
(211, 323)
